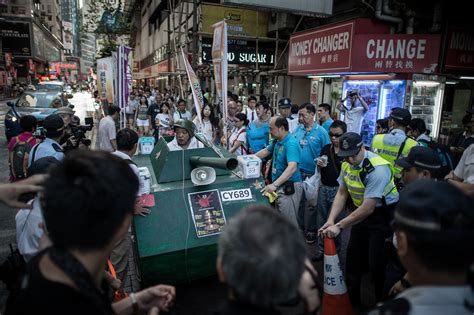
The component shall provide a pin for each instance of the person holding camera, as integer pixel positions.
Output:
(354, 114)
(68, 141)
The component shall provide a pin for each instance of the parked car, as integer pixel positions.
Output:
(55, 86)
(40, 104)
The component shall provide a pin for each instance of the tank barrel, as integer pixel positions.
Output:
(221, 163)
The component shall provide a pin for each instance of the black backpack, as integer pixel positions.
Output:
(18, 158)
(444, 155)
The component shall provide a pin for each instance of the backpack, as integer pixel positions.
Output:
(444, 155)
(18, 158)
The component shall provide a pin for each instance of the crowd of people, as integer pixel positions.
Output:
(392, 198)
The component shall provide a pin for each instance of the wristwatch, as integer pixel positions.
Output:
(276, 186)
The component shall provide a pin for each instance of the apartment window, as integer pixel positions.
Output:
(49, 18)
(49, 8)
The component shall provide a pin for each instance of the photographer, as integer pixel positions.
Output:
(68, 141)
(354, 114)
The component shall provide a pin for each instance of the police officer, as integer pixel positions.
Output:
(395, 144)
(427, 220)
(284, 107)
(54, 130)
(286, 177)
(367, 179)
(184, 138)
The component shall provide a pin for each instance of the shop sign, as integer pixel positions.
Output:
(64, 65)
(8, 60)
(239, 21)
(136, 66)
(67, 35)
(460, 52)
(323, 50)
(396, 53)
(242, 52)
(16, 38)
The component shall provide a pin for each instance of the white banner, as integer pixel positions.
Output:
(195, 87)
(219, 60)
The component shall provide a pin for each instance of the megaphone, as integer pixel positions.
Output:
(203, 175)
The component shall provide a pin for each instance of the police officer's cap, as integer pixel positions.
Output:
(401, 114)
(187, 125)
(349, 144)
(53, 124)
(65, 110)
(284, 103)
(422, 157)
(435, 208)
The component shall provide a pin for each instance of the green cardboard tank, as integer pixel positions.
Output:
(177, 241)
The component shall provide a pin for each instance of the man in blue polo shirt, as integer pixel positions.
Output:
(311, 139)
(286, 177)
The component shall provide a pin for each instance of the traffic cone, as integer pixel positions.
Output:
(335, 299)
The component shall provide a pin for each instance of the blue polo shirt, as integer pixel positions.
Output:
(285, 151)
(327, 124)
(311, 143)
(258, 138)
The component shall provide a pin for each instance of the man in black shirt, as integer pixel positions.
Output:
(330, 170)
(153, 110)
(87, 206)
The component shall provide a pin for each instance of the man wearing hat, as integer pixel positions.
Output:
(184, 138)
(367, 179)
(434, 231)
(66, 113)
(421, 163)
(54, 130)
(395, 144)
(284, 107)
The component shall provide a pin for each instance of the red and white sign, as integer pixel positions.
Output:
(396, 53)
(32, 65)
(63, 65)
(325, 50)
(460, 53)
(8, 60)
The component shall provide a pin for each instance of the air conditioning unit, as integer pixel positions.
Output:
(281, 21)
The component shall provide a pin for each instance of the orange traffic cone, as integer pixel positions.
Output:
(335, 299)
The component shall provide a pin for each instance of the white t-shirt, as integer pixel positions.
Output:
(28, 233)
(107, 132)
(239, 135)
(465, 168)
(163, 120)
(292, 124)
(194, 144)
(182, 116)
(132, 166)
(353, 118)
(204, 127)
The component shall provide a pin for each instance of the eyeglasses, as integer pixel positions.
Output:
(336, 135)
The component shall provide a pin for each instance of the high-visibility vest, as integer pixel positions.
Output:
(392, 152)
(355, 184)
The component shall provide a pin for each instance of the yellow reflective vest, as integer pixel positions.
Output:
(390, 152)
(354, 183)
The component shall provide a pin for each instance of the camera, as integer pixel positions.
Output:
(79, 132)
(352, 93)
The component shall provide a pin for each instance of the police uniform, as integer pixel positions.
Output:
(53, 125)
(372, 178)
(395, 144)
(427, 216)
(292, 122)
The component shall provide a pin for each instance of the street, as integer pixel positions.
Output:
(7, 215)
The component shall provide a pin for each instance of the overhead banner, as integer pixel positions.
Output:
(322, 50)
(400, 53)
(219, 60)
(105, 79)
(460, 52)
(16, 38)
(195, 86)
(242, 52)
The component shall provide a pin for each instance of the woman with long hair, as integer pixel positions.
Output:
(141, 118)
(209, 126)
(164, 120)
(238, 137)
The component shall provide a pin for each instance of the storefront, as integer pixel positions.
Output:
(388, 70)
(459, 92)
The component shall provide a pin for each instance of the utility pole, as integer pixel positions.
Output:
(195, 34)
